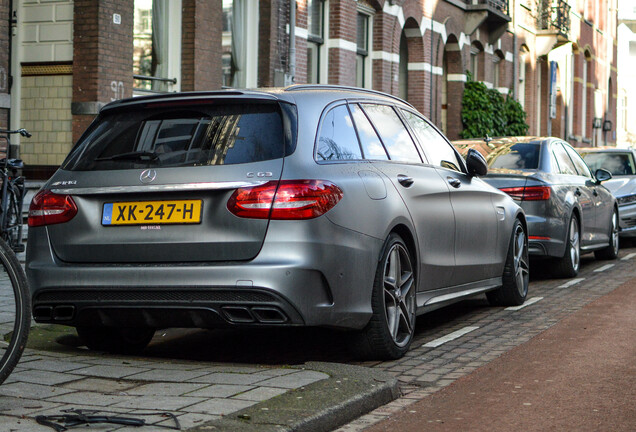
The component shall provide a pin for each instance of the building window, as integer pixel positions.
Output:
(157, 45)
(498, 65)
(240, 43)
(362, 53)
(315, 39)
(473, 67)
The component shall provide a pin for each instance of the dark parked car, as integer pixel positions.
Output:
(622, 164)
(569, 211)
(305, 206)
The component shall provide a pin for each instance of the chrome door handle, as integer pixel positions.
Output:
(405, 181)
(454, 182)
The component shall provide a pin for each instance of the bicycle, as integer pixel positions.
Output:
(11, 195)
(15, 310)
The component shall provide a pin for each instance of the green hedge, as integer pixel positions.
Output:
(486, 112)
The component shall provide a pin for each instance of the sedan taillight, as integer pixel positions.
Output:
(48, 208)
(287, 199)
(529, 193)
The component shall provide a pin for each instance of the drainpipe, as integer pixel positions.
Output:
(515, 53)
(292, 41)
(431, 76)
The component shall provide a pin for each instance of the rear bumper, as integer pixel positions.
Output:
(310, 273)
(543, 239)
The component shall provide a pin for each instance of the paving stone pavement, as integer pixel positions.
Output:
(46, 383)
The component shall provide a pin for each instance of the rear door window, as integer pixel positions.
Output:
(369, 139)
(563, 160)
(578, 162)
(394, 135)
(224, 134)
(337, 139)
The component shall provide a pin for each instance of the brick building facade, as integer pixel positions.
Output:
(69, 58)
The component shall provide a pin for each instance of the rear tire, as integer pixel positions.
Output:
(611, 251)
(121, 340)
(516, 275)
(389, 333)
(568, 265)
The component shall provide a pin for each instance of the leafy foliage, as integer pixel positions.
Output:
(486, 112)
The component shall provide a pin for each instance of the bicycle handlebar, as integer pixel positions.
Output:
(20, 131)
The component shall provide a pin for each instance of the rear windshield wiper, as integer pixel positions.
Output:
(144, 156)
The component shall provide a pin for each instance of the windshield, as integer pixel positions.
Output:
(517, 156)
(172, 136)
(616, 163)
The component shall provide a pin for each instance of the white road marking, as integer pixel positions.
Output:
(529, 302)
(571, 282)
(605, 267)
(628, 257)
(449, 337)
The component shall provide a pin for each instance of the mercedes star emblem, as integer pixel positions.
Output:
(148, 176)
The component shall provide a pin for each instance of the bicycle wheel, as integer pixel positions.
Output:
(15, 311)
(13, 232)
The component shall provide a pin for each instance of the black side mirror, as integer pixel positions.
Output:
(602, 175)
(476, 163)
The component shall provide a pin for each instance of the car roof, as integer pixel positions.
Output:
(604, 150)
(293, 94)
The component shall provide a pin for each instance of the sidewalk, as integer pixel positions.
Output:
(579, 375)
(314, 396)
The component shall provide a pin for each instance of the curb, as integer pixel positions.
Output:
(349, 392)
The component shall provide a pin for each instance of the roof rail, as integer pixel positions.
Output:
(298, 87)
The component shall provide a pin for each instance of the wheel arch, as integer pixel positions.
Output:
(405, 233)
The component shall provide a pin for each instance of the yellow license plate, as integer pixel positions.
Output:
(152, 212)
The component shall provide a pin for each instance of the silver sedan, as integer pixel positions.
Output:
(569, 209)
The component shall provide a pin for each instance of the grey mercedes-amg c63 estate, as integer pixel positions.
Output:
(305, 206)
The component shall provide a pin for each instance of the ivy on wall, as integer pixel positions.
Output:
(486, 112)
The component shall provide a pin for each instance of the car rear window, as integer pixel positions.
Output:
(517, 156)
(178, 135)
(616, 163)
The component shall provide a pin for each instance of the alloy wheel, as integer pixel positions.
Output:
(521, 261)
(575, 252)
(614, 234)
(399, 295)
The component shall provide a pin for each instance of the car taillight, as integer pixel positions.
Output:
(287, 199)
(529, 193)
(48, 208)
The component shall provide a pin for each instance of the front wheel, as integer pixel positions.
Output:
(389, 333)
(611, 251)
(568, 265)
(516, 275)
(123, 340)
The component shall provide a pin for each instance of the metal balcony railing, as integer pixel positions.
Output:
(500, 5)
(554, 15)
